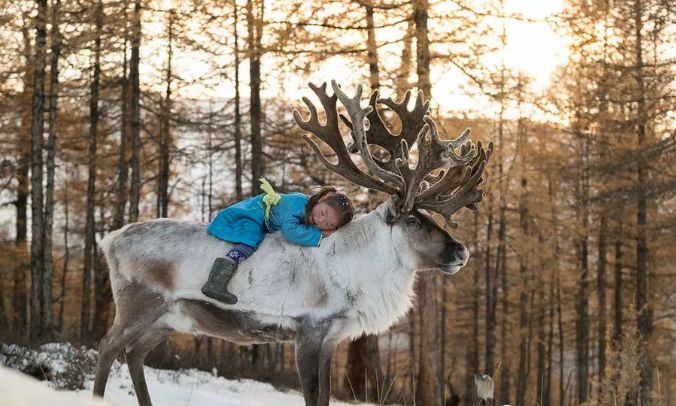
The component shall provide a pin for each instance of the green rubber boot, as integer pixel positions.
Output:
(219, 276)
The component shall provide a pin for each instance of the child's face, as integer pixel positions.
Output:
(325, 217)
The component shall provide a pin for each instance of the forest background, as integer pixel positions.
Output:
(115, 111)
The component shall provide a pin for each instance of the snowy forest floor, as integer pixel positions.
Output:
(70, 371)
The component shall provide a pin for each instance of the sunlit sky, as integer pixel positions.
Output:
(533, 48)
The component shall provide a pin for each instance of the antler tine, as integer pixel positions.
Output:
(396, 169)
(453, 175)
(359, 121)
(411, 120)
(433, 154)
(330, 134)
(453, 192)
(412, 178)
(460, 140)
(377, 134)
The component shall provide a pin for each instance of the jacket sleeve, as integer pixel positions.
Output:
(296, 232)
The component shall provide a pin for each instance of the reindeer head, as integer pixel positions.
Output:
(442, 181)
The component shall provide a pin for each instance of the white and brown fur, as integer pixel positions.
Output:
(360, 280)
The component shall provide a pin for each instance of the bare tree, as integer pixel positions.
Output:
(238, 116)
(643, 308)
(90, 257)
(254, 18)
(66, 256)
(37, 197)
(134, 62)
(51, 153)
(23, 140)
(122, 172)
(165, 128)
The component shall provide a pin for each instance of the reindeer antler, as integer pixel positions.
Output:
(330, 134)
(442, 180)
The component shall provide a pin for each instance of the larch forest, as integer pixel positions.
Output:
(116, 111)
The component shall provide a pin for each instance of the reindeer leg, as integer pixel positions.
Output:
(313, 360)
(111, 345)
(137, 309)
(136, 353)
(325, 356)
(308, 349)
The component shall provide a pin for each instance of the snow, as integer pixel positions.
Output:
(167, 387)
(192, 387)
(18, 389)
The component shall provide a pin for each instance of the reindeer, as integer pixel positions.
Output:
(360, 280)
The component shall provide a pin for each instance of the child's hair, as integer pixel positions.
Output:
(331, 196)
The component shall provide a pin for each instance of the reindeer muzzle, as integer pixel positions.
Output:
(454, 256)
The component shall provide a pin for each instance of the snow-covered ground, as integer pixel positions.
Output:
(184, 387)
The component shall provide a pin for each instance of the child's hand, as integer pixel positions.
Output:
(327, 233)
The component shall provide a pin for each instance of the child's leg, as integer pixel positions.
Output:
(240, 252)
(222, 271)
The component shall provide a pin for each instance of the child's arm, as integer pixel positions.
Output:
(295, 231)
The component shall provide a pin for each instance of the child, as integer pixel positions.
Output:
(302, 220)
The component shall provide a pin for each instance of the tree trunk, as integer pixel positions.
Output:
(404, 71)
(618, 302)
(489, 365)
(135, 190)
(238, 117)
(501, 255)
(24, 148)
(165, 129)
(210, 172)
(37, 215)
(541, 373)
(428, 390)
(20, 295)
(362, 371)
(46, 304)
(475, 294)
(103, 295)
(505, 331)
(90, 226)
(643, 308)
(255, 27)
(554, 289)
(547, 397)
(522, 376)
(601, 287)
(582, 299)
(422, 47)
(524, 266)
(562, 383)
(372, 49)
(122, 171)
(444, 336)
(66, 256)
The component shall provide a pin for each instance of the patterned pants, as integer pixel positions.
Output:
(240, 252)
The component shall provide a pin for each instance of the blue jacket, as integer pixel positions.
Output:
(244, 222)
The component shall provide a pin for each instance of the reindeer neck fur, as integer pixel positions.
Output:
(375, 286)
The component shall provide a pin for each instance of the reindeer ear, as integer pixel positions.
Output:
(390, 217)
(392, 213)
